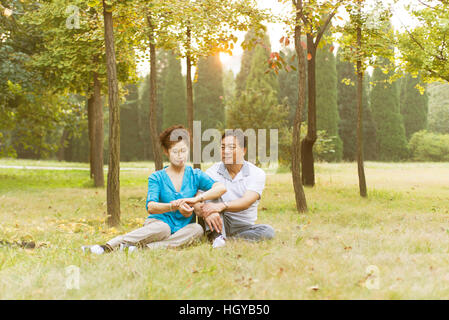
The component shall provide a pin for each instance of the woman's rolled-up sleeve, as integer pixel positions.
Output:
(204, 181)
(154, 190)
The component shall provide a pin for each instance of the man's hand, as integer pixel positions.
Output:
(214, 222)
(210, 207)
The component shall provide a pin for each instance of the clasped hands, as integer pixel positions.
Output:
(185, 206)
(209, 211)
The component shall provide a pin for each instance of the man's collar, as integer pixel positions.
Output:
(224, 172)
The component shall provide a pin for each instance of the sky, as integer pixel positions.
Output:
(400, 19)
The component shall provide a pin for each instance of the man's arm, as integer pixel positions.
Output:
(236, 205)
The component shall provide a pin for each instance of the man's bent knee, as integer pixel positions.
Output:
(268, 232)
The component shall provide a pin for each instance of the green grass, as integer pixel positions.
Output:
(401, 228)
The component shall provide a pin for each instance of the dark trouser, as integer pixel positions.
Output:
(241, 230)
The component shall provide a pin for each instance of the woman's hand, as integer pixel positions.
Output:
(193, 200)
(185, 210)
(176, 204)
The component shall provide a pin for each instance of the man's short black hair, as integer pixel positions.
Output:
(238, 133)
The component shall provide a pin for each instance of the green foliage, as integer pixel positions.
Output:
(428, 146)
(257, 106)
(347, 106)
(326, 99)
(209, 93)
(414, 105)
(131, 143)
(173, 93)
(247, 58)
(424, 49)
(386, 113)
(438, 118)
(323, 149)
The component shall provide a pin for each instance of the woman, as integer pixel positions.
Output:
(171, 196)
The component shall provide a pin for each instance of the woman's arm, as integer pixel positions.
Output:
(217, 190)
(159, 207)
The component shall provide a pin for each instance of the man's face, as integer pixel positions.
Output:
(231, 151)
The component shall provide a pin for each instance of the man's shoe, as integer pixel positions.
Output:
(219, 242)
(130, 248)
(93, 249)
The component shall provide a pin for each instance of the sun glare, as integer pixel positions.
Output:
(225, 57)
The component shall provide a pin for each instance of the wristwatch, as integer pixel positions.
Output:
(226, 205)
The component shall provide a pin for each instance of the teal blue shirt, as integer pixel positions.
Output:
(161, 189)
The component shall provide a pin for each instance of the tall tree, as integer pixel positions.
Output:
(209, 92)
(173, 93)
(301, 203)
(113, 186)
(157, 154)
(257, 106)
(70, 59)
(413, 104)
(247, 56)
(347, 106)
(392, 143)
(316, 17)
(326, 100)
(364, 37)
(438, 107)
(201, 35)
(294, 24)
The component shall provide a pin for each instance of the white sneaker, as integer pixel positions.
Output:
(219, 242)
(128, 247)
(93, 249)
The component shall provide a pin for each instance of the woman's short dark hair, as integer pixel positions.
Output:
(173, 135)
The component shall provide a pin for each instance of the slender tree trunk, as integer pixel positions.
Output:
(301, 203)
(360, 166)
(158, 163)
(140, 131)
(308, 168)
(98, 135)
(189, 95)
(62, 145)
(90, 127)
(113, 187)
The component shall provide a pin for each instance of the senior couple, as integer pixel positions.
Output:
(226, 197)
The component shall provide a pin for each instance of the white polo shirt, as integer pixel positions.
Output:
(249, 177)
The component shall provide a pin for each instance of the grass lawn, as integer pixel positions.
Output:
(400, 231)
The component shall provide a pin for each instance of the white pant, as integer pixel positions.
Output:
(157, 234)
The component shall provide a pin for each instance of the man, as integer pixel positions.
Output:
(235, 213)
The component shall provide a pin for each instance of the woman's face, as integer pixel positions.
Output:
(178, 154)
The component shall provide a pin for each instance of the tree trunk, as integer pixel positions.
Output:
(360, 167)
(189, 95)
(90, 127)
(140, 130)
(97, 136)
(308, 169)
(113, 188)
(158, 164)
(301, 203)
(62, 145)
